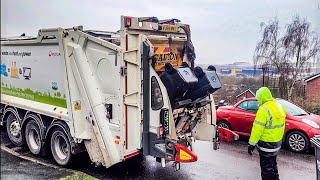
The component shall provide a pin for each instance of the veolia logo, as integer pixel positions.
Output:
(213, 79)
(54, 53)
(186, 72)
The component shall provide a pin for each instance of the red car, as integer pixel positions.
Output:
(300, 124)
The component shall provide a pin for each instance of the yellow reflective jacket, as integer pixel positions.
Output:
(269, 125)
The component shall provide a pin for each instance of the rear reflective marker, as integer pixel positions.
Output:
(185, 155)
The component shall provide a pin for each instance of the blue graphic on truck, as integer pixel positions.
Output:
(3, 70)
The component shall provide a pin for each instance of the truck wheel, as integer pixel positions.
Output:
(33, 137)
(297, 142)
(224, 124)
(14, 130)
(60, 147)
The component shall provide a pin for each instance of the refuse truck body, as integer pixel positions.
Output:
(113, 95)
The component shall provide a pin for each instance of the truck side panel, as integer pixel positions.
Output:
(88, 58)
(33, 72)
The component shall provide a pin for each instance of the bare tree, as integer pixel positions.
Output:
(288, 55)
(301, 45)
(268, 50)
(269, 53)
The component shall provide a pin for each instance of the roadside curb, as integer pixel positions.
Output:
(10, 151)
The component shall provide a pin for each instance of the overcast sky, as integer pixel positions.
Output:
(223, 31)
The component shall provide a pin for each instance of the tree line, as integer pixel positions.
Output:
(288, 51)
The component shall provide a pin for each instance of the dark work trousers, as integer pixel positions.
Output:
(268, 164)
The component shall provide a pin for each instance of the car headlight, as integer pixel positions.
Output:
(311, 123)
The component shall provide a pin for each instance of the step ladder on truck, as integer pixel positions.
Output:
(113, 95)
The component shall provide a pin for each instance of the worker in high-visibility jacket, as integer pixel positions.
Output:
(267, 133)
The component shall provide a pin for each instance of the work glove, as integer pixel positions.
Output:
(251, 149)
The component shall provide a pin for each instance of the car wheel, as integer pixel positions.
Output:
(298, 142)
(60, 147)
(224, 124)
(33, 137)
(14, 130)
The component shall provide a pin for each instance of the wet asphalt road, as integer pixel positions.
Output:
(15, 168)
(231, 161)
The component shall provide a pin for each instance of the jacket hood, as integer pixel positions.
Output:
(264, 95)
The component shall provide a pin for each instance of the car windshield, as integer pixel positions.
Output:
(292, 109)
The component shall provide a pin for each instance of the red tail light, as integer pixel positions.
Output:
(127, 22)
(188, 27)
(185, 155)
(160, 132)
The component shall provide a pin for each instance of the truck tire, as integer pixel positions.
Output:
(33, 137)
(14, 130)
(60, 147)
